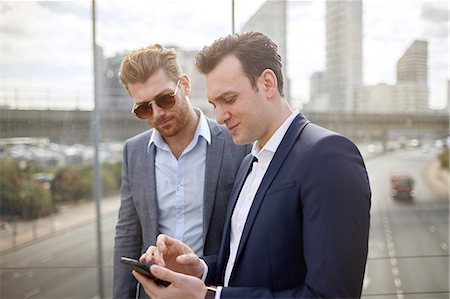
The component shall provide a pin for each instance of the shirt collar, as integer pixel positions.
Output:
(201, 131)
(274, 141)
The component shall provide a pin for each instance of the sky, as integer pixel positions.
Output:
(46, 46)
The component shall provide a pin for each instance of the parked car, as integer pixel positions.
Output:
(402, 186)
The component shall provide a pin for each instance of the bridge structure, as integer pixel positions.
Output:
(385, 127)
(75, 126)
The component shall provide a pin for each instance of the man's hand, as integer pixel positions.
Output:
(182, 286)
(174, 255)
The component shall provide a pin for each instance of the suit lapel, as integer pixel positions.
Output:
(282, 152)
(149, 178)
(225, 244)
(213, 165)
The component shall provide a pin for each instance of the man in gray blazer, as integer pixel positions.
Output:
(176, 177)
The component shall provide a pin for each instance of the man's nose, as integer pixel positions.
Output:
(157, 111)
(222, 116)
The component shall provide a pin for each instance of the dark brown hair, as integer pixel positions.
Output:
(255, 51)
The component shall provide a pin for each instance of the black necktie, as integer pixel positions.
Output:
(246, 175)
(251, 167)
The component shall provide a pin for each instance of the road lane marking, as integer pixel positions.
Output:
(46, 258)
(32, 293)
(366, 282)
(393, 261)
(397, 282)
(389, 245)
(392, 254)
(395, 271)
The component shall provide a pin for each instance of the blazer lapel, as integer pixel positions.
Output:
(225, 244)
(150, 200)
(213, 165)
(282, 152)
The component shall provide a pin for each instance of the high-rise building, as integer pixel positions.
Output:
(448, 93)
(344, 53)
(270, 19)
(197, 93)
(412, 67)
(412, 77)
(112, 95)
(317, 85)
(318, 100)
(409, 95)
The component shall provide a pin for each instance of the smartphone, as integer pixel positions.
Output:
(144, 269)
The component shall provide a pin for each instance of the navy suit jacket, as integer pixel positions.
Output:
(306, 235)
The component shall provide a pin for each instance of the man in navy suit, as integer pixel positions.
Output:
(297, 223)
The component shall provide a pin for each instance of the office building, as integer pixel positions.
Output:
(112, 95)
(344, 53)
(392, 99)
(409, 95)
(412, 67)
(270, 19)
(412, 79)
(318, 99)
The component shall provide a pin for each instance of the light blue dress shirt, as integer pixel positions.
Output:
(180, 186)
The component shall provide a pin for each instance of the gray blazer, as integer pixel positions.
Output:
(137, 226)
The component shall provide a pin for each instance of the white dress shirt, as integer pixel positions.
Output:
(180, 186)
(251, 185)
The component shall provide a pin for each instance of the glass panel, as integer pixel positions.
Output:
(378, 77)
(47, 236)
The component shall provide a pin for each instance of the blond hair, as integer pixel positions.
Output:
(140, 64)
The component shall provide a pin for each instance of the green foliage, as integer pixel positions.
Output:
(72, 184)
(23, 197)
(20, 196)
(76, 182)
(111, 174)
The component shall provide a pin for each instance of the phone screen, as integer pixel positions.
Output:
(144, 269)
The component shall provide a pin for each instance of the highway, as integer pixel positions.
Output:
(408, 249)
(60, 267)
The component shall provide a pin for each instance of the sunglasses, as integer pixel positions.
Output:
(165, 101)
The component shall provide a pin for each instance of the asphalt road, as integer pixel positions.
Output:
(408, 248)
(60, 267)
(408, 255)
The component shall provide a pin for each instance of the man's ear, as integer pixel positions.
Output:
(185, 82)
(270, 83)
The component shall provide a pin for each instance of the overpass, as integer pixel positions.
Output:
(75, 126)
(384, 126)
